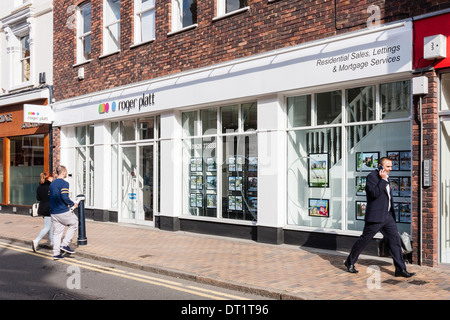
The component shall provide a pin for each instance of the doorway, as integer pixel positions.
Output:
(137, 184)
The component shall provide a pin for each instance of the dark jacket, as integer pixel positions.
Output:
(377, 198)
(42, 195)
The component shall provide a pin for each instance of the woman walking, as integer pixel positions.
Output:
(42, 195)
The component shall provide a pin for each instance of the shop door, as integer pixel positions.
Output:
(137, 184)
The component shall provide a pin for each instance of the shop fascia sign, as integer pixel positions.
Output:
(8, 117)
(37, 114)
(128, 105)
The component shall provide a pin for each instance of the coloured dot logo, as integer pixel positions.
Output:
(103, 108)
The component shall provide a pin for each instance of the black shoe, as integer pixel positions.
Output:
(350, 267)
(404, 274)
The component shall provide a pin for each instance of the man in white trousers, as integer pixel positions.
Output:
(61, 214)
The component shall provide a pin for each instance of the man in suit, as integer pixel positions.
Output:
(380, 217)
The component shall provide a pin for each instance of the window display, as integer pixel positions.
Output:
(321, 175)
(232, 194)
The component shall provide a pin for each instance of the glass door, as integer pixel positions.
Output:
(137, 184)
(129, 184)
(145, 183)
(445, 190)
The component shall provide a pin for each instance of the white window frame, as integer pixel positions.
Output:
(177, 17)
(139, 11)
(23, 59)
(107, 38)
(222, 10)
(81, 35)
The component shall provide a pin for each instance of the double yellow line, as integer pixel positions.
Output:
(205, 293)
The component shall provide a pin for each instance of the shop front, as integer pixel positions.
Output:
(274, 147)
(24, 152)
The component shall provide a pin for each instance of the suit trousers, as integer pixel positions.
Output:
(389, 230)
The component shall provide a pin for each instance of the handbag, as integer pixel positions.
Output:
(34, 209)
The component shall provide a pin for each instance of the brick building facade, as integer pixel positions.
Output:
(194, 73)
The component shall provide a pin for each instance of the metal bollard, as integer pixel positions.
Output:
(82, 240)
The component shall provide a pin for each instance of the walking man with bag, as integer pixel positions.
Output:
(61, 214)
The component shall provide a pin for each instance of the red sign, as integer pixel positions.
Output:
(430, 27)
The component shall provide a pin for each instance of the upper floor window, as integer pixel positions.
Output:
(84, 33)
(228, 6)
(111, 24)
(184, 14)
(25, 58)
(144, 21)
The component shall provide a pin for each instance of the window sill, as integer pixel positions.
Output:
(192, 26)
(108, 54)
(21, 86)
(135, 45)
(81, 63)
(229, 14)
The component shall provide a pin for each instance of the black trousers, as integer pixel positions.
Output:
(390, 232)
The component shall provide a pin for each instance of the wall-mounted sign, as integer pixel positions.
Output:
(6, 117)
(37, 113)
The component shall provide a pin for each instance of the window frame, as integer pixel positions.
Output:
(138, 25)
(81, 35)
(177, 18)
(107, 37)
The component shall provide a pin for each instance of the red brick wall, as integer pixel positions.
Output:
(429, 195)
(266, 26)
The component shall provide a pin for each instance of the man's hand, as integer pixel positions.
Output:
(383, 174)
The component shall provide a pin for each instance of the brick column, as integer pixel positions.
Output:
(56, 132)
(429, 218)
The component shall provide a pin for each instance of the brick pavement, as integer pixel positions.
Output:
(276, 271)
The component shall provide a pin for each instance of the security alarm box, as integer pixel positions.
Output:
(435, 47)
(420, 85)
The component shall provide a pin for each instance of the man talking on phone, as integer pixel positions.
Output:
(380, 217)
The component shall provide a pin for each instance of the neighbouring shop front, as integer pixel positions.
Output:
(24, 151)
(273, 148)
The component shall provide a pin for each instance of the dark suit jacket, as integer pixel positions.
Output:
(377, 198)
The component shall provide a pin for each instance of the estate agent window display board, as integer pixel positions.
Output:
(221, 162)
(335, 139)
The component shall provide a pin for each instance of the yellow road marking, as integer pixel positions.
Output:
(211, 294)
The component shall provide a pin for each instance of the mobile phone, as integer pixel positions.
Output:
(380, 167)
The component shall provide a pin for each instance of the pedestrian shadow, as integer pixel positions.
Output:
(335, 250)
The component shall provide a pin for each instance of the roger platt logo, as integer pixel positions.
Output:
(106, 107)
(138, 104)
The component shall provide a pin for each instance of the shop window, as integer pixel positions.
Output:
(299, 111)
(111, 25)
(395, 100)
(144, 20)
(445, 92)
(328, 107)
(360, 104)
(321, 173)
(314, 179)
(128, 130)
(146, 128)
(27, 162)
(84, 33)
(221, 184)
(230, 118)
(392, 140)
(184, 14)
(84, 162)
(209, 121)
